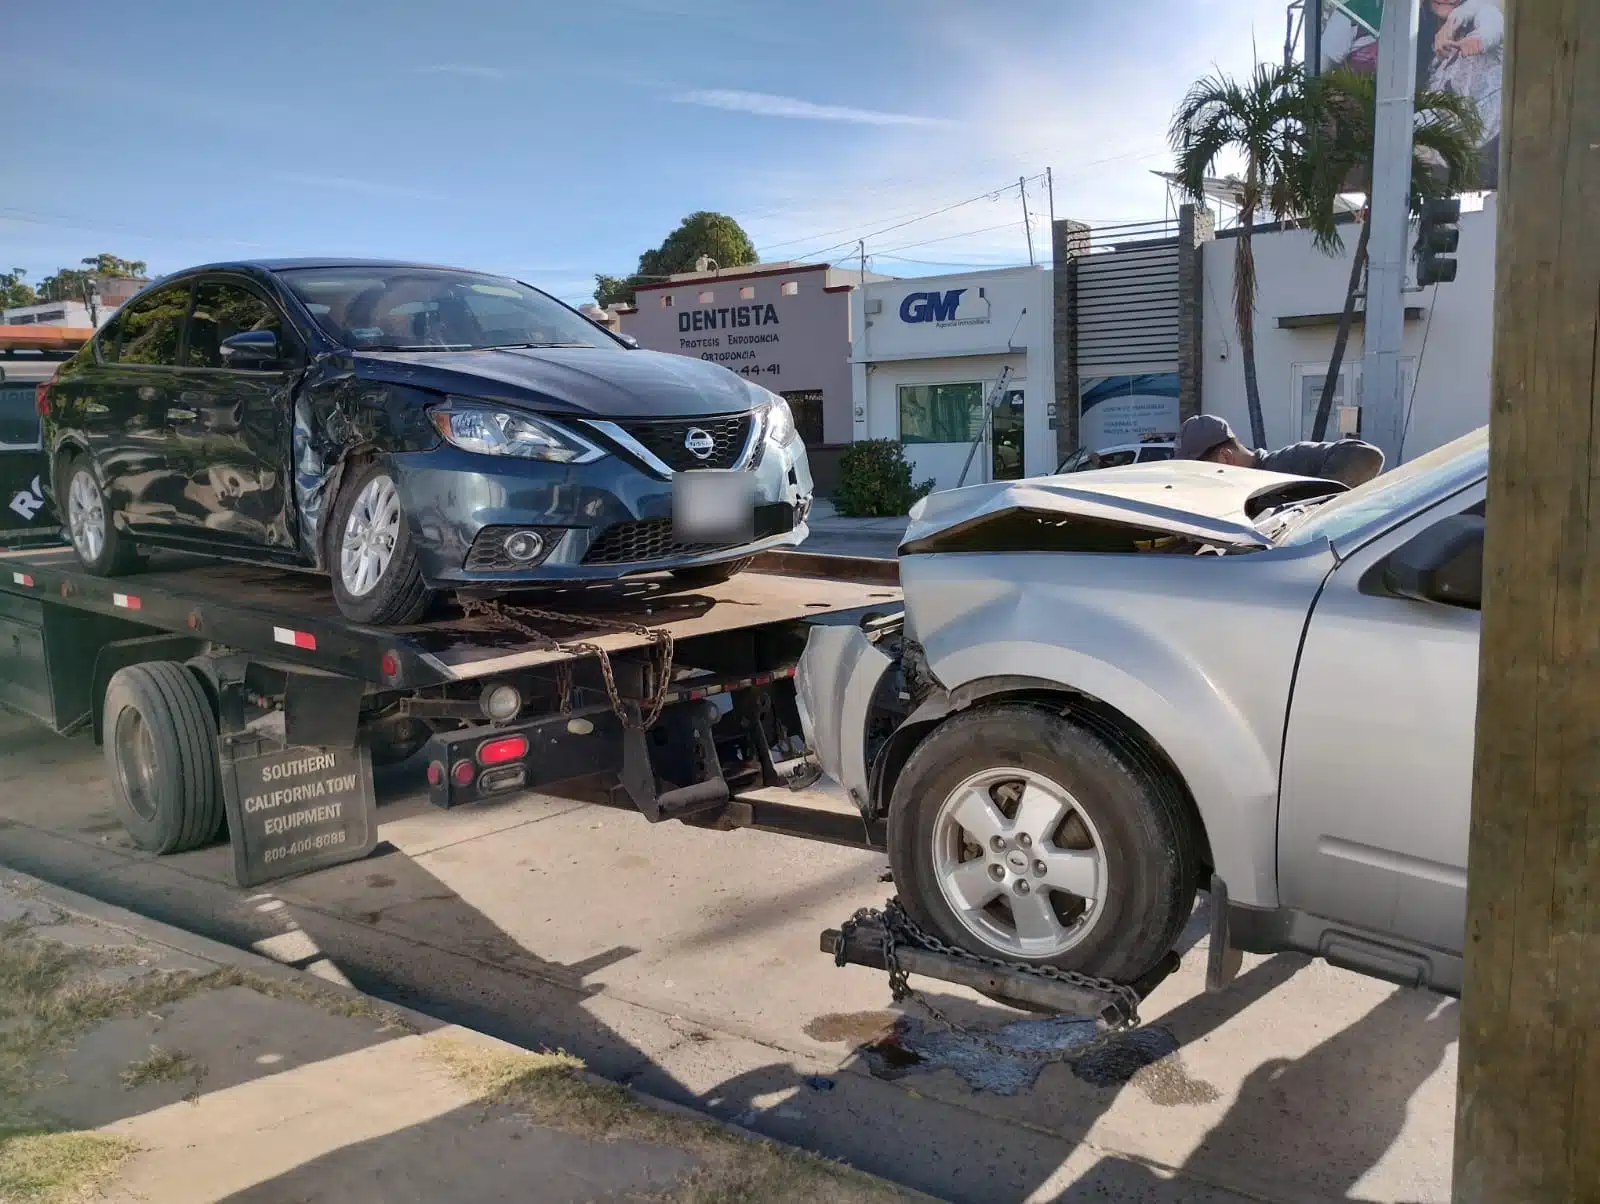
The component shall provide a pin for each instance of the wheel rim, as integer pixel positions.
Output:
(136, 763)
(86, 516)
(370, 535)
(1020, 863)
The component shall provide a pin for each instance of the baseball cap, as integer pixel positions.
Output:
(1198, 435)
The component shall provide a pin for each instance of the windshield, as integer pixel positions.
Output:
(434, 309)
(1438, 473)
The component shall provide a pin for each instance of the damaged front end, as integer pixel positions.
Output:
(867, 695)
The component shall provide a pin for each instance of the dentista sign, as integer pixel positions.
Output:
(751, 352)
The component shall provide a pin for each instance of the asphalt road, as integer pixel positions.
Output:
(686, 962)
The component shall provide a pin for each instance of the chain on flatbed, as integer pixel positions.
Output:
(660, 642)
(900, 929)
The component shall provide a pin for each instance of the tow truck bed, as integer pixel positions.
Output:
(291, 617)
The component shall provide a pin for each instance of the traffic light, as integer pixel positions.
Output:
(1438, 236)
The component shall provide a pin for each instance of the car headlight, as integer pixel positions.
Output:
(475, 427)
(780, 418)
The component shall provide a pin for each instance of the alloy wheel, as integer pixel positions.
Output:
(370, 535)
(86, 515)
(1020, 863)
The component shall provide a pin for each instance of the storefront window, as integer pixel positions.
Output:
(806, 405)
(941, 413)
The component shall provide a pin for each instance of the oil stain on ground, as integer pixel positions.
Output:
(1147, 1058)
(852, 1028)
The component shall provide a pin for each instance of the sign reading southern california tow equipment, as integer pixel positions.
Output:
(296, 809)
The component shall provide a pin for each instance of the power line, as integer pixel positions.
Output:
(992, 195)
(949, 237)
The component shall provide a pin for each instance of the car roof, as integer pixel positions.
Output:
(283, 265)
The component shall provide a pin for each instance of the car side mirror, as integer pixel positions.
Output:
(250, 349)
(1442, 564)
(628, 341)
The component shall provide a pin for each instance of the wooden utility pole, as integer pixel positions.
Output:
(1528, 1105)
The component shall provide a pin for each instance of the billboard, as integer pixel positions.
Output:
(1460, 48)
(1125, 409)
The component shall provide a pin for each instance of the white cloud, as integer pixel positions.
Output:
(347, 184)
(1095, 108)
(496, 75)
(764, 104)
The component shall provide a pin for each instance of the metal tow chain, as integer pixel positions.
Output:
(900, 929)
(660, 643)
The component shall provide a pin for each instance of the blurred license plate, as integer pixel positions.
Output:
(713, 506)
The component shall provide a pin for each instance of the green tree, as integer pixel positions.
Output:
(77, 284)
(1341, 108)
(714, 235)
(1261, 120)
(14, 291)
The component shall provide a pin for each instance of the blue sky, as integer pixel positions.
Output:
(553, 141)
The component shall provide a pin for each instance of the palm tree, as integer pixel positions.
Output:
(1260, 118)
(1340, 130)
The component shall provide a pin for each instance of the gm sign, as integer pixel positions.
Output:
(931, 307)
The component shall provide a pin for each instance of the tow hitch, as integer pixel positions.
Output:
(890, 940)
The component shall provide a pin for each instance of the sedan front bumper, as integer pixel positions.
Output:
(595, 518)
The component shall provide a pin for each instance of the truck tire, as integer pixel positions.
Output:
(87, 518)
(703, 575)
(377, 577)
(161, 753)
(1017, 834)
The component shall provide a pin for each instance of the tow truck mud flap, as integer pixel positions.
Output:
(293, 808)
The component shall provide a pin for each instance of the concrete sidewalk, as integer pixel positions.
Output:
(832, 532)
(141, 1063)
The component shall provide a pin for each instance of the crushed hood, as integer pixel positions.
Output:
(1197, 500)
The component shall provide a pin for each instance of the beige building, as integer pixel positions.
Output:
(784, 326)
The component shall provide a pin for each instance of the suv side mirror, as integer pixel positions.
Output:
(1442, 564)
(250, 350)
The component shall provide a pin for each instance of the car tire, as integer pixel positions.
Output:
(703, 575)
(1136, 827)
(377, 577)
(89, 523)
(161, 753)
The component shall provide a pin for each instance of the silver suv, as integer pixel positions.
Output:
(1110, 690)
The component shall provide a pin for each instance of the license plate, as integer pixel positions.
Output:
(713, 506)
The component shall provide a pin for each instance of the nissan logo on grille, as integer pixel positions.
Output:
(699, 442)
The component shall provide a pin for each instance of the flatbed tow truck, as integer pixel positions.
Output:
(234, 701)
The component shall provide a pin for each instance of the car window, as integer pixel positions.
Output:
(106, 338)
(435, 309)
(151, 326)
(223, 309)
(1075, 461)
(1116, 459)
(19, 419)
(1150, 454)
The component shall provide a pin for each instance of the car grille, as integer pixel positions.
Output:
(665, 439)
(640, 540)
(488, 553)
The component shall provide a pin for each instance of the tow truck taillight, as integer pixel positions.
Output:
(498, 752)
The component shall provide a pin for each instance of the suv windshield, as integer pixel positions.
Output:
(1439, 472)
(433, 309)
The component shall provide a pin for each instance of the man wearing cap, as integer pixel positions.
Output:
(1349, 461)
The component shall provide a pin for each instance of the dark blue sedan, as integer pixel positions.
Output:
(409, 429)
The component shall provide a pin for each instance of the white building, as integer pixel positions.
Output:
(928, 356)
(1299, 292)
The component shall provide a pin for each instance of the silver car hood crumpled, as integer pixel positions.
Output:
(1209, 502)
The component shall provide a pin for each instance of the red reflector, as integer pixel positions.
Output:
(126, 601)
(390, 664)
(463, 773)
(41, 398)
(435, 774)
(507, 748)
(762, 679)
